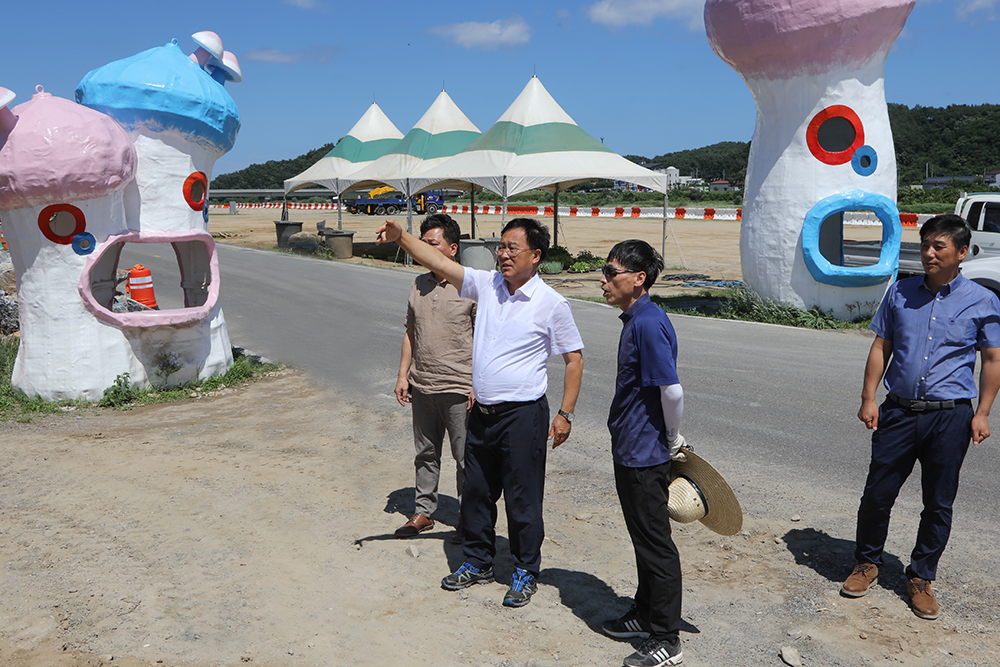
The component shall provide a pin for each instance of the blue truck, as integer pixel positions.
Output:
(386, 201)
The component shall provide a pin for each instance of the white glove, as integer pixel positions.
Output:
(676, 447)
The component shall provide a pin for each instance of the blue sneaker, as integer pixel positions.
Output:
(522, 587)
(466, 576)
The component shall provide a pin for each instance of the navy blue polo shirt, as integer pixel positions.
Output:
(647, 360)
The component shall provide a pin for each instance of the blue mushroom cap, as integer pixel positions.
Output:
(162, 89)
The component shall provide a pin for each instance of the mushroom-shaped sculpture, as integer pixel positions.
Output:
(822, 146)
(227, 69)
(209, 46)
(7, 117)
(180, 120)
(64, 169)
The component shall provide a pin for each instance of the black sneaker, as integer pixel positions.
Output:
(522, 587)
(466, 576)
(628, 626)
(656, 653)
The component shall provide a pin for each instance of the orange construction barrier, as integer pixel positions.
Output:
(140, 286)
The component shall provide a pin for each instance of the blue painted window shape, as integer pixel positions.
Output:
(827, 273)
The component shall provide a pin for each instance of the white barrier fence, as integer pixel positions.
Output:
(856, 218)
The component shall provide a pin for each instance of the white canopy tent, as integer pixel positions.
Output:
(371, 137)
(535, 145)
(440, 133)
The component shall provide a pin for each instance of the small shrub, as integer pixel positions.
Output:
(590, 259)
(550, 267)
(557, 253)
(119, 394)
(167, 363)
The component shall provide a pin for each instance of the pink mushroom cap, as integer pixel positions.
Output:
(209, 41)
(781, 39)
(61, 151)
(229, 65)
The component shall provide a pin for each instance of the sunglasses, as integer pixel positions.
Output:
(610, 272)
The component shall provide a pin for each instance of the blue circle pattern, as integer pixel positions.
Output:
(863, 152)
(84, 243)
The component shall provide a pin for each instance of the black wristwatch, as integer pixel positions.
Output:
(568, 416)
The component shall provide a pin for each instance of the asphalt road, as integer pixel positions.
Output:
(771, 407)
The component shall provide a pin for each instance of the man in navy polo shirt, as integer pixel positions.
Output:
(644, 419)
(927, 330)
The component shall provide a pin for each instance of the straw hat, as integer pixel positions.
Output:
(699, 493)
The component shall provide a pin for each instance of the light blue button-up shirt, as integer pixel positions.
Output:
(934, 337)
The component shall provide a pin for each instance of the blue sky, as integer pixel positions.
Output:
(638, 73)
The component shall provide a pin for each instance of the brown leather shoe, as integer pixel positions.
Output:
(417, 524)
(922, 598)
(861, 579)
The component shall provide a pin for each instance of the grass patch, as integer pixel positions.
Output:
(15, 406)
(744, 304)
(245, 369)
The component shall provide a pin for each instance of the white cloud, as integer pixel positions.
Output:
(505, 33)
(966, 8)
(620, 13)
(305, 4)
(316, 54)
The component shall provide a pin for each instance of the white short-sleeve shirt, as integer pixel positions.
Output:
(515, 334)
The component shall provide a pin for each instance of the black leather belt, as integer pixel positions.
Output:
(500, 408)
(922, 406)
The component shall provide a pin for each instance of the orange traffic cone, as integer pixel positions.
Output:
(140, 286)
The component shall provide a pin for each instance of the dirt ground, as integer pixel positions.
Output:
(254, 526)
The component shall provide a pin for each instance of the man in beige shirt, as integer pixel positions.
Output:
(435, 373)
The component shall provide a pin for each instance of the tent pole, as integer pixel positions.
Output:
(409, 219)
(284, 209)
(680, 253)
(340, 211)
(340, 205)
(503, 213)
(555, 217)
(663, 241)
(472, 208)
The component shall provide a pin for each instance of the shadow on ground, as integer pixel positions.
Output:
(833, 558)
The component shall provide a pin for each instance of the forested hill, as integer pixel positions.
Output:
(958, 140)
(270, 175)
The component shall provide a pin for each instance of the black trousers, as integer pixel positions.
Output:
(505, 453)
(939, 439)
(643, 493)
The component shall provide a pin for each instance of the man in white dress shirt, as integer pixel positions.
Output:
(520, 322)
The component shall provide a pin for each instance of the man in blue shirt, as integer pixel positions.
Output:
(927, 330)
(644, 419)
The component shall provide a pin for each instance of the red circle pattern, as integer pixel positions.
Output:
(196, 177)
(812, 132)
(45, 222)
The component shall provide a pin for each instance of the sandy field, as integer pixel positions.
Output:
(710, 248)
(254, 526)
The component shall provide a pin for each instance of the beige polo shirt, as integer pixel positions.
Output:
(442, 323)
